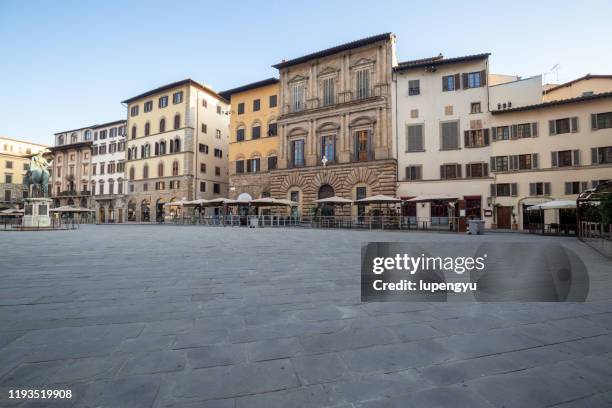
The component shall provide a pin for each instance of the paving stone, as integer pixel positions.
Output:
(459, 371)
(346, 339)
(441, 397)
(151, 363)
(313, 396)
(320, 368)
(219, 355)
(273, 349)
(135, 391)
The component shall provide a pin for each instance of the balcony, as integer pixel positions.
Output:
(341, 98)
(73, 193)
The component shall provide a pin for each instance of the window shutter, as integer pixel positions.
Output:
(514, 132)
(532, 189)
(483, 77)
(494, 133)
(486, 136)
(248, 164)
(534, 161)
(551, 127)
(594, 155)
(593, 121)
(442, 172)
(466, 138)
(534, 129)
(568, 188)
(291, 153)
(513, 189)
(576, 155)
(547, 189)
(574, 124)
(464, 79)
(370, 152)
(485, 170)
(355, 146)
(334, 148)
(458, 171)
(584, 185)
(457, 81)
(468, 170)
(493, 168)
(493, 192)
(553, 159)
(407, 173)
(444, 84)
(512, 162)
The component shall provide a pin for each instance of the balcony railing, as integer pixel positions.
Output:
(378, 91)
(73, 193)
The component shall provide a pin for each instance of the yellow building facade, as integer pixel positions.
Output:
(177, 146)
(253, 148)
(14, 160)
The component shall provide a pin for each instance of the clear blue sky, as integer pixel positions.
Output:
(66, 64)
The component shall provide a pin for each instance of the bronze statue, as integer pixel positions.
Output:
(38, 176)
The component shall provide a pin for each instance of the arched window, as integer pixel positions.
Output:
(175, 168)
(147, 128)
(73, 138)
(142, 151)
(177, 121)
(156, 148)
(145, 171)
(326, 191)
(132, 173)
(147, 151)
(162, 147)
(60, 140)
(177, 145)
(88, 135)
(134, 132)
(162, 125)
(129, 154)
(160, 170)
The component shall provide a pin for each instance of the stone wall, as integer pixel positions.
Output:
(252, 183)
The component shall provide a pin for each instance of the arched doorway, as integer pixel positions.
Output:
(160, 209)
(111, 214)
(145, 211)
(101, 216)
(326, 191)
(131, 211)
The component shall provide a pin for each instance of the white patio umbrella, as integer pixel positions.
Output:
(554, 205)
(335, 200)
(431, 197)
(379, 199)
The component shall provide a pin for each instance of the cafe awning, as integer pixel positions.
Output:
(70, 209)
(554, 205)
(334, 200)
(378, 199)
(431, 197)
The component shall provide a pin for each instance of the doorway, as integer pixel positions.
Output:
(504, 217)
(362, 145)
(102, 217)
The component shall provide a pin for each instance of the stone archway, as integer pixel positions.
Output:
(325, 191)
(101, 215)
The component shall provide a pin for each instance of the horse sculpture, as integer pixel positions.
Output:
(37, 176)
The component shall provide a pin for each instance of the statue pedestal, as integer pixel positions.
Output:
(36, 212)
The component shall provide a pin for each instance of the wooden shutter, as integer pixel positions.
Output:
(551, 127)
(594, 156)
(568, 188)
(554, 159)
(547, 189)
(442, 172)
(574, 124)
(457, 81)
(355, 146)
(485, 170)
(514, 132)
(248, 164)
(334, 148)
(486, 136)
(534, 129)
(464, 79)
(534, 161)
(494, 133)
(370, 150)
(466, 138)
(483, 77)
(408, 173)
(513, 162)
(533, 189)
(513, 189)
(458, 171)
(493, 190)
(584, 185)
(444, 84)
(576, 158)
(493, 167)
(291, 153)
(593, 121)
(468, 170)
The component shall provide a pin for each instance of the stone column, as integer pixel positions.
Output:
(282, 146)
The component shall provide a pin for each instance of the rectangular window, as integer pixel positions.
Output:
(502, 133)
(103, 134)
(504, 190)
(240, 108)
(163, 102)
(202, 167)
(256, 105)
(524, 162)
(177, 97)
(8, 164)
(476, 170)
(239, 166)
(601, 155)
(218, 153)
(240, 135)
(539, 189)
(565, 125)
(499, 163)
(601, 120)
(328, 92)
(253, 165)
(256, 132)
(217, 171)
(134, 110)
(8, 178)
(475, 107)
(272, 101)
(202, 186)
(564, 158)
(363, 83)
(523, 130)
(450, 135)
(218, 134)
(272, 163)
(328, 147)
(449, 83)
(216, 188)
(219, 109)
(474, 80)
(148, 106)
(112, 132)
(450, 171)
(476, 138)
(204, 128)
(203, 148)
(414, 138)
(575, 187)
(414, 87)
(297, 152)
(414, 173)
(272, 129)
(298, 97)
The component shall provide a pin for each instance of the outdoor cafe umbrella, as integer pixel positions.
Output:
(335, 200)
(378, 199)
(11, 211)
(554, 205)
(70, 209)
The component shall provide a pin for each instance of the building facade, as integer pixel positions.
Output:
(335, 125)
(108, 181)
(442, 135)
(253, 146)
(177, 145)
(550, 150)
(14, 161)
(71, 168)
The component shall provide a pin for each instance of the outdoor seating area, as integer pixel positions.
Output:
(594, 218)
(563, 216)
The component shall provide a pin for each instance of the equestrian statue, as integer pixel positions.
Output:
(37, 176)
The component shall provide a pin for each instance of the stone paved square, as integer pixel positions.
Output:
(185, 316)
